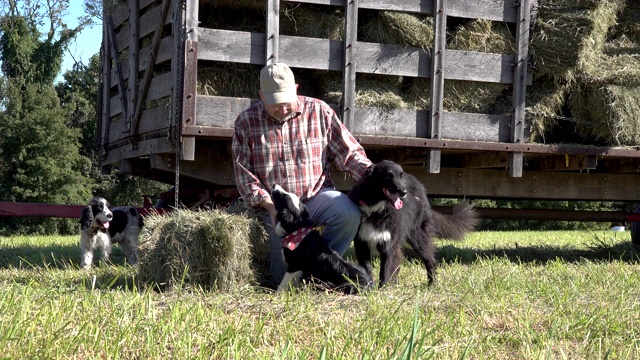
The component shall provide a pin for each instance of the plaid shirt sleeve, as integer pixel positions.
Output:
(349, 156)
(249, 185)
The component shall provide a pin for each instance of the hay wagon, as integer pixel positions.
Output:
(446, 88)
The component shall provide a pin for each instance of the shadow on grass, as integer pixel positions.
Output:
(598, 250)
(35, 263)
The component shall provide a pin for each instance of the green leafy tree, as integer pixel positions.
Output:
(40, 160)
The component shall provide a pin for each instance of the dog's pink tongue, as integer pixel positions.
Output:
(105, 225)
(397, 204)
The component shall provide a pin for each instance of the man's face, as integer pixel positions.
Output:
(281, 111)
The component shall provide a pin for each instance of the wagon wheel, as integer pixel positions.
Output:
(635, 231)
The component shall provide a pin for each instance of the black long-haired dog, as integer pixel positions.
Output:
(307, 255)
(395, 210)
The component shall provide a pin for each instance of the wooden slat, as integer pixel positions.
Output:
(164, 54)
(105, 96)
(485, 160)
(134, 61)
(141, 97)
(119, 73)
(324, 54)
(176, 57)
(272, 35)
(220, 112)
(488, 183)
(520, 85)
(567, 163)
(145, 147)
(189, 83)
(160, 87)
(151, 120)
(147, 24)
(438, 63)
(497, 10)
(349, 62)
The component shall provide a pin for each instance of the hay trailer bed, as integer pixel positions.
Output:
(176, 73)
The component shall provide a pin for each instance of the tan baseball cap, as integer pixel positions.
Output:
(278, 84)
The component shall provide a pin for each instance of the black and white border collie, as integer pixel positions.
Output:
(395, 210)
(100, 227)
(307, 255)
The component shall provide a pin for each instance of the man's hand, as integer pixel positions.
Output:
(267, 204)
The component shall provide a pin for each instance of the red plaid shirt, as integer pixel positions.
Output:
(295, 154)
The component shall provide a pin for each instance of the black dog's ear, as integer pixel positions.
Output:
(86, 218)
(369, 170)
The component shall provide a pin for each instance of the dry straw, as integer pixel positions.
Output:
(213, 249)
(468, 96)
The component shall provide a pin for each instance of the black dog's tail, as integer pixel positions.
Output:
(456, 225)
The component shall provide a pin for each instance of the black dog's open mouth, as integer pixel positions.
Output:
(394, 199)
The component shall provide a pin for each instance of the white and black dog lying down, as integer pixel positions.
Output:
(307, 255)
(395, 210)
(100, 227)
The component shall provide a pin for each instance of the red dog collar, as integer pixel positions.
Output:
(294, 239)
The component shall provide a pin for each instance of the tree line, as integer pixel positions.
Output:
(47, 130)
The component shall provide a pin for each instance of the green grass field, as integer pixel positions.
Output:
(499, 295)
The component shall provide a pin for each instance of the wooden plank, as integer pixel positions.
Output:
(497, 10)
(160, 87)
(163, 55)
(134, 61)
(485, 160)
(497, 184)
(141, 97)
(147, 24)
(520, 84)
(437, 83)
(177, 68)
(231, 46)
(220, 112)
(349, 62)
(567, 163)
(189, 84)
(475, 127)
(272, 35)
(119, 74)
(153, 119)
(324, 54)
(145, 147)
(102, 131)
(476, 183)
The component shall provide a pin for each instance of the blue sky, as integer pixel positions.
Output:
(86, 44)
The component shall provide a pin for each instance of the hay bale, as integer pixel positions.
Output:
(566, 31)
(628, 24)
(607, 112)
(216, 249)
(468, 96)
(396, 28)
(316, 21)
(545, 100)
(372, 90)
(228, 79)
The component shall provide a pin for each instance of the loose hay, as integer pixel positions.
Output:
(215, 249)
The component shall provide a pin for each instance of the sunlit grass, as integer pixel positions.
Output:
(498, 295)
